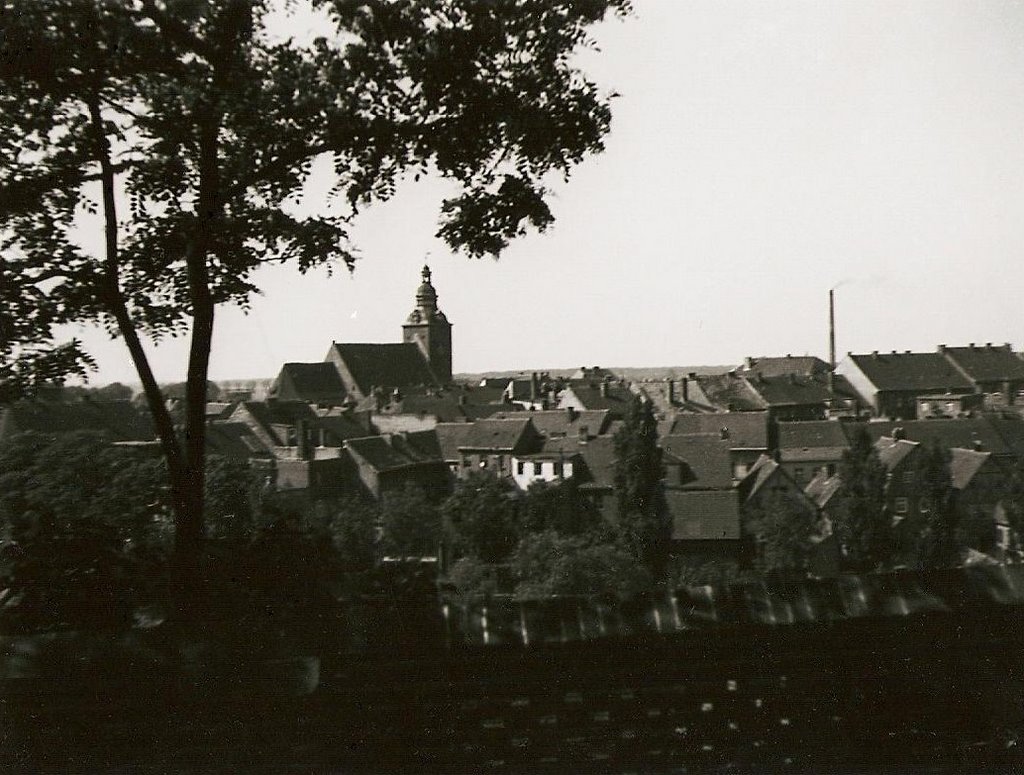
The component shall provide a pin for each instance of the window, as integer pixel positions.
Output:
(520, 467)
(900, 505)
(908, 477)
(537, 469)
(557, 469)
(798, 474)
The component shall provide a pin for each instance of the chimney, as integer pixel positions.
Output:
(671, 389)
(570, 412)
(748, 363)
(898, 434)
(604, 389)
(534, 386)
(832, 329)
(942, 349)
(302, 439)
(977, 445)
(583, 434)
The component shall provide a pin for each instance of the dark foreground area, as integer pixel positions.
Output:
(940, 690)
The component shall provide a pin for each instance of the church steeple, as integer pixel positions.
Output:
(428, 328)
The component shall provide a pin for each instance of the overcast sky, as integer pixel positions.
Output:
(761, 153)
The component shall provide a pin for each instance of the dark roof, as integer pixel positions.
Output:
(340, 427)
(499, 435)
(988, 363)
(813, 433)
(779, 366)
(268, 413)
(385, 365)
(964, 432)
(707, 460)
(910, 372)
(729, 392)
(309, 382)
(391, 452)
(708, 515)
(758, 476)
(744, 430)
(451, 437)
(598, 458)
(597, 396)
(235, 440)
(120, 420)
(791, 390)
(560, 422)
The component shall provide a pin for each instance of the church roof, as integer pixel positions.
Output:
(384, 365)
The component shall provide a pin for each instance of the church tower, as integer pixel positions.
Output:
(429, 329)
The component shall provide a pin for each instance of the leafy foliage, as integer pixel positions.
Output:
(940, 545)
(201, 130)
(782, 527)
(643, 523)
(410, 524)
(481, 518)
(549, 564)
(863, 525)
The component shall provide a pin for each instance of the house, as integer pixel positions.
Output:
(899, 457)
(981, 484)
(487, 445)
(949, 405)
(562, 423)
(612, 397)
(809, 448)
(706, 525)
(749, 434)
(593, 466)
(389, 463)
(890, 383)
(792, 396)
(800, 365)
(292, 430)
(549, 465)
(996, 372)
(705, 462)
(312, 383)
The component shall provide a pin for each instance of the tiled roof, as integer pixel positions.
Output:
(790, 390)
(987, 364)
(779, 366)
(235, 440)
(811, 454)
(385, 365)
(947, 433)
(744, 430)
(910, 372)
(758, 476)
(822, 488)
(309, 382)
(268, 413)
(598, 457)
(560, 422)
(707, 460)
(892, 452)
(388, 453)
(504, 435)
(601, 396)
(451, 437)
(707, 515)
(813, 433)
(729, 392)
(339, 427)
(964, 465)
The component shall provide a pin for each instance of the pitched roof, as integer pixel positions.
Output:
(451, 437)
(966, 432)
(779, 366)
(790, 390)
(392, 452)
(268, 413)
(758, 476)
(986, 364)
(309, 382)
(964, 464)
(339, 427)
(598, 458)
(729, 392)
(563, 422)
(598, 396)
(504, 435)
(910, 372)
(235, 440)
(743, 430)
(813, 433)
(823, 488)
(892, 452)
(704, 515)
(384, 365)
(707, 460)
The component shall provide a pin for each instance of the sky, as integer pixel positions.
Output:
(760, 154)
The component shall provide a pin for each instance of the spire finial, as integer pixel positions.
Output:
(426, 273)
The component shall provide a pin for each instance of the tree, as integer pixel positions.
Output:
(643, 523)
(411, 524)
(481, 518)
(188, 131)
(863, 524)
(782, 528)
(548, 564)
(940, 545)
